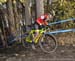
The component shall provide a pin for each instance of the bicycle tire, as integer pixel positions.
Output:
(46, 38)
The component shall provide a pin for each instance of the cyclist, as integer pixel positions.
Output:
(40, 23)
(43, 20)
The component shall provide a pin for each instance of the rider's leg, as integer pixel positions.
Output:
(40, 27)
(35, 35)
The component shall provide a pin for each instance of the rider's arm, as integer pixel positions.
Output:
(45, 23)
(39, 22)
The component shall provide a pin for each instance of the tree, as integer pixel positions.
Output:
(39, 7)
(27, 13)
(11, 16)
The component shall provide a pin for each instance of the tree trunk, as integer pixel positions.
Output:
(27, 14)
(11, 16)
(39, 7)
(3, 28)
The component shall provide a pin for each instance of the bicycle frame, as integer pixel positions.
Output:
(36, 39)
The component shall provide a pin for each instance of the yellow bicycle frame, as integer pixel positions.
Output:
(36, 39)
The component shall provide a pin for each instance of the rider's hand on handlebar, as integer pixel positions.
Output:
(48, 25)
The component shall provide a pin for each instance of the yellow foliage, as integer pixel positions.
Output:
(22, 1)
(14, 1)
(3, 1)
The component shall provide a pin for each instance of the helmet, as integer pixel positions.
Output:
(46, 15)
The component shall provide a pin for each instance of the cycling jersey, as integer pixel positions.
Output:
(42, 20)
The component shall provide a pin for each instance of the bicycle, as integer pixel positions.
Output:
(47, 42)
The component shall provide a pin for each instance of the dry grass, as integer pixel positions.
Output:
(66, 38)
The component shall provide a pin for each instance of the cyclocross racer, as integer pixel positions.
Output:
(41, 22)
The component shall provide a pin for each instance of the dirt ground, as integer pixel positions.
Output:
(64, 52)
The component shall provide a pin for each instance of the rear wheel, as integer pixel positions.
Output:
(48, 43)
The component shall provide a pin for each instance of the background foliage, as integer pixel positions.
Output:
(63, 9)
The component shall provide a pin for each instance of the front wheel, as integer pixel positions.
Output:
(48, 43)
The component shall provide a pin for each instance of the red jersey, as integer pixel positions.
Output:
(42, 20)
